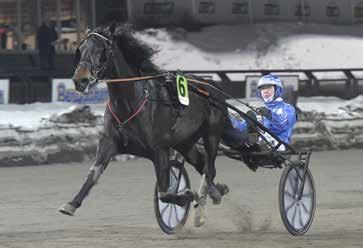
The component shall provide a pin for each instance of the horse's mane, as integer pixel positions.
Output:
(137, 53)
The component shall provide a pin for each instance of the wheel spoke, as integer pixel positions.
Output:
(183, 189)
(296, 188)
(176, 214)
(307, 194)
(291, 181)
(304, 207)
(163, 211)
(170, 215)
(298, 173)
(293, 217)
(300, 219)
(289, 194)
(183, 184)
(174, 173)
(289, 207)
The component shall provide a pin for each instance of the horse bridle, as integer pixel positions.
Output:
(99, 71)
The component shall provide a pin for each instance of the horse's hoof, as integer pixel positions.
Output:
(180, 200)
(199, 216)
(216, 191)
(222, 188)
(214, 194)
(67, 209)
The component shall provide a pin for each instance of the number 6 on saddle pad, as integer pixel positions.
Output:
(182, 87)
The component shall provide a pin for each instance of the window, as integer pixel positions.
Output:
(272, 9)
(206, 7)
(358, 11)
(240, 8)
(302, 10)
(165, 8)
(332, 10)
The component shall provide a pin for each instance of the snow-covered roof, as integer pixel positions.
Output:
(301, 75)
(258, 46)
(241, 76)
(212, 76)
(358, 74)
(331, 75)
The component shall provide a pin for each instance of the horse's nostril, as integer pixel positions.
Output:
(81, 84)
(84, 81)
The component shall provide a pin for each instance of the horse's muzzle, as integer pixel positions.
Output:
(81, 85)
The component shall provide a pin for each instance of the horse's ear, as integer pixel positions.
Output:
(112, 28)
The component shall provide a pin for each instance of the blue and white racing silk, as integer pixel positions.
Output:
(283, 119)
(281, 123)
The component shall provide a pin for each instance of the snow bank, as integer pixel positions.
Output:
(57, 135)
(67, 136)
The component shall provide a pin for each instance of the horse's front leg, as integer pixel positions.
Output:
(105, 151)
(168, 192)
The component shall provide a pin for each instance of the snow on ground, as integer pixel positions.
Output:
(32, 116)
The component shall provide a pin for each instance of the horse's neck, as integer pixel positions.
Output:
(123, 94)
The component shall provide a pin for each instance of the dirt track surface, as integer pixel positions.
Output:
(119, 211)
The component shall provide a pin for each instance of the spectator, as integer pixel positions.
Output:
(24, 46)
(53, 38)
(3, 37)
(45, 37)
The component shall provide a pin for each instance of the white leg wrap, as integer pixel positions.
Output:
(199, 212)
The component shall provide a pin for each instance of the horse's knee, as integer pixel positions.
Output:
(105, 150)
(95, 172)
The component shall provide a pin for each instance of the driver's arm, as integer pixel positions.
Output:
(283, 118)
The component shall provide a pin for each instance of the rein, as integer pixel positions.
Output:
(204, 92)
(133, 79)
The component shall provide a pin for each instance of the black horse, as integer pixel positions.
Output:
(142, 118)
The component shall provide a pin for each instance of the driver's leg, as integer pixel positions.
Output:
(252, 132)
(234, 133)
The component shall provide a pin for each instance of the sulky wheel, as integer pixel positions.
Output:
(296, 209)
(172, 217)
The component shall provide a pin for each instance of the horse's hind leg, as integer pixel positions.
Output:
(196, 158)
(211, 140)
(106, 149)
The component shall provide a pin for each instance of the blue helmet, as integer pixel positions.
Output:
(271, 80)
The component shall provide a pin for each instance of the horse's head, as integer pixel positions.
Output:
(92, 58)
(110, 50)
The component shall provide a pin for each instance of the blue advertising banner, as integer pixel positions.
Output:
(63, 91)
(4, 91)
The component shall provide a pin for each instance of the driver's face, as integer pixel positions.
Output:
(267, 91)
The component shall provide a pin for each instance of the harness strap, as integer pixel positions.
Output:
(122, 123)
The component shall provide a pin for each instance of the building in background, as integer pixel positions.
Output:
(160, 12)
(71, 17)
(21, 18)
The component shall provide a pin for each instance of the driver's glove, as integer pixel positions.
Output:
(264, 112)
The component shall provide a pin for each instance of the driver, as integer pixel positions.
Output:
(277, 116)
